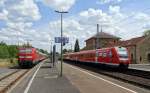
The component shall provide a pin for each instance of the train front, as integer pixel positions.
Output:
(26, 56)
(124, 59)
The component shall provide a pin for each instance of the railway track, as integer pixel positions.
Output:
(136, 77)
(8, 80)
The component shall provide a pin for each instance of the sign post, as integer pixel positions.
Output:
(63, 41)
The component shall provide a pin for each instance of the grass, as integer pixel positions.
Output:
(8, 62)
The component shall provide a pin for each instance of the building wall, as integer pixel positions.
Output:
(143, 49)
(132, 53)
(103, 42)
(138, 53)
(90, 44)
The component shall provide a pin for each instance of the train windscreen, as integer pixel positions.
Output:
(122, 52)
(25, 51)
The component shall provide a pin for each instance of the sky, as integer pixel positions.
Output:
(36, 21)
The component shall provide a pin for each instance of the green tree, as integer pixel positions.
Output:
(8, 51)
(147, 33)
(65, 50)
(4, 51)
(13, 51)
(43, 51)
(2, 43)
(76, 47)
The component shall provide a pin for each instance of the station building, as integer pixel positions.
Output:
(102, 40)
(139, 47)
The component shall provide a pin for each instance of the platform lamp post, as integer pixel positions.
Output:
(97, 42)
(61, 14)
(51, 54)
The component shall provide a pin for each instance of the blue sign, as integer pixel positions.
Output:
(63, 40)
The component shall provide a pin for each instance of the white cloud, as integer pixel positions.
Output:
(114, 22)
(2, 2)
(19, 16)
(142, 17)
(61, 5)
(108, 1)
(3, 14)
(93, 17)
(22, 10)
(114, 9)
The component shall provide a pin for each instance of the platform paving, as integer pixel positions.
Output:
(48, 80)
(143, 67)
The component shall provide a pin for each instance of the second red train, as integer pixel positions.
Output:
(116, 56)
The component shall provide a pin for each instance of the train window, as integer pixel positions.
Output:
(104, 54)
(110, 54)
(100, 54)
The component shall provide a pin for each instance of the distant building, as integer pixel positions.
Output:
(102, 39)
(139, 47)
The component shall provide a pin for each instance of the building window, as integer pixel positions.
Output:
(114, 41)
(140, 58)
(132, 57)
(148, 56)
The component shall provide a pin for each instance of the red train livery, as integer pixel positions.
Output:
(111, 56)
(27, 57)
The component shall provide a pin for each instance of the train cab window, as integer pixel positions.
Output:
(122, 52)
(25, 50)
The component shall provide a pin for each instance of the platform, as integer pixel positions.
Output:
(143, 67)
(48, 80)
(74, 80)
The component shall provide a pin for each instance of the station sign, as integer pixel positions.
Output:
(64, 40)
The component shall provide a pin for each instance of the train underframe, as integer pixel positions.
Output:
(120, 65)
(26, 63)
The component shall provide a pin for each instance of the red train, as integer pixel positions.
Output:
(28, 57)
(116, 56)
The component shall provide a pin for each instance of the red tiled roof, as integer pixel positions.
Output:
(104, 35)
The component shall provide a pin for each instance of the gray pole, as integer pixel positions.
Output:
(51, 51)
(71, 47)
(61, 41)
(97, 43)
(97, 39)
(61, 47)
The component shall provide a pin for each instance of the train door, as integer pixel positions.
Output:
(104, 57)
(99, 58)
(109, 56)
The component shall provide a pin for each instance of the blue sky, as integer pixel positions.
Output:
(35, 20)
(127, 6)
